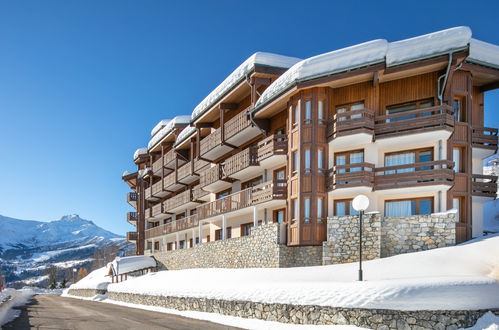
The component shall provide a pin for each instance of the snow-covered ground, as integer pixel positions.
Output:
(17, 298)
(97, 280)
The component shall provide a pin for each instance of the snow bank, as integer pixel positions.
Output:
(259, 58)
(435, 279)
(165, 130)
(131, 264)
(484, 53)
(139, 152)
(97, 280)
(17, 298)
(488, 321)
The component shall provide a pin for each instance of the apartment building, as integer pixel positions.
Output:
(293, 141)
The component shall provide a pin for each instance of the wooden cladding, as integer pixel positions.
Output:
(484, 137)
(240, 161)
(351, 122)
(198, 193)
(484, 185)
(237, 124)
(177, 200)
(211, 141)
(247, 197)
(210, 175)
(351, 175)
(276, 144)
(157, 210)
(172, 227)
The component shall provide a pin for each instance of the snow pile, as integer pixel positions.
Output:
(491, 216)
(484, 53)
(139, 152)
(17, 298)
(326, 64)
(259, 58)
(159, 126)
(488, 321)
(435, 279)
(186, 132)
(97, 280)
(131, 264)
(165, 130)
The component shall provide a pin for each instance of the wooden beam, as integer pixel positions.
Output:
(228, 106)
(479, 68)
(204, 125)
(489, 87)
(260, 81)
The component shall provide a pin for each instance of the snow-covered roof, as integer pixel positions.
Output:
(126, 173)
(259, 58)
(139, 152)
(186, 133)
(160, 125)
(382, 51)
(131, 264)
(165, 130)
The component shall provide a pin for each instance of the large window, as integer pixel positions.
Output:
(344, 207)
(307, 161)
(405, 207)
(308, 112)
(251, 183)
(405, 107)
(349, 158)
(408, 157)
(320, 112)
(295, 113)
(457, 155)
(320, 206)
(320, 160)
(279, 215)
(346, 108)
(246, 228)
(295, 162)
(280, 177)
(306, 215)
(460, 108)
(295, 209)
(223, 194)
(218, 234)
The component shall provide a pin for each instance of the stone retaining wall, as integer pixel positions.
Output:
(87, 293)
(309, 314)
(386, 236)
(260, 249)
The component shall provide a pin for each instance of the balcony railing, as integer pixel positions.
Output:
(198, 193)
(131, 217)
(177, 200)
(240, 161)
(157, 165)
(132, 236)
(131, 198)
(200, 164)
(172, 227)
(169, 180)
(148, 213)
(210, 175)
(157, 188)
(157, 210)
(148, 193)
(420, 120)
(211, 141)
(417, 174)
(247, 197)
(276, 144)
(351, 175)
(237, 124)
(484, 137)
(351, 122)
(169, 158)
(484, 185)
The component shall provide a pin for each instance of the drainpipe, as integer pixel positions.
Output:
(445, 77)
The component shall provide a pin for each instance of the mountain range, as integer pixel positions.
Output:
(28, 247)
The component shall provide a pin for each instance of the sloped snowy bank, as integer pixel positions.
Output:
(17, 298)
(97, 280)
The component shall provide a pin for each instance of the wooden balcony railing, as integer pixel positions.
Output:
(247, 197)
(157, 188)
(169, 157)
(177, 200)
(484, 137)
(148, 213)
(198, 193)
(276, 144)
(240, 161)
(237, 124)
(186, 171)
(210, 175)
(484, 185)
(131, 197)
(351, 175)
(420, 120)
(157, 165)
(132, 236)
(131, 217)
(351, 122)
(417, 174)
(148, 193)
(211, 141)
(200, 164)
(169, 180)
(172, 227)
(157, 210)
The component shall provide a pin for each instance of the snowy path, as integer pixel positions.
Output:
(55, 312)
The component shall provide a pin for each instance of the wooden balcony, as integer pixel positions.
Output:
(239, 129)
(211, 147)
(131, 198)
(211, 179)
(158, 191)
(200, 165)
(186, 173)
(414, 175)
(351, 176)
(132, 236)
(415, 121)
(169, 159)
(272, 150)
(242, 165)
(148, 214)
(170, 182)
(198, 194)
(172, 227)
(148, 195)
(158, 212)
(484, 185)
(265, 192)
(157, 166)
(179, 202)
(351, 123)
(484, 138)
(131, 218)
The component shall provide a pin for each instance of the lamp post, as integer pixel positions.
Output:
(74, 274)
(118, 259)
(360, 203)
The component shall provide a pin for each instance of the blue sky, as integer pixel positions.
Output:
(83, 82)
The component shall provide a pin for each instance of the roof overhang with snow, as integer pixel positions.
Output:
(165, 132)
(127, 265)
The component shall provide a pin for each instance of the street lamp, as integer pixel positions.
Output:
(360, 203)
(74, 274)
(117, 259)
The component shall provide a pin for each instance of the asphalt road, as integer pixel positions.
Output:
(55, 312)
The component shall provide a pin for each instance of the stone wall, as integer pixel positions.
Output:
(86, 292)
(260, 249)
(310, 314)
(386, 236)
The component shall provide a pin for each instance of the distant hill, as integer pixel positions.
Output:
(28, 247)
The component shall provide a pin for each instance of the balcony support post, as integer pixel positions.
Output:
(177, 240)
(224, 226)
(193, 233)
(200, 231)
(255, 216)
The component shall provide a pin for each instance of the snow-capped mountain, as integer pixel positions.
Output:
(28, 247)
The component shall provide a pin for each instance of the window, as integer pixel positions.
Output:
(295, 113)
(280, 177)
(320, 206)
(218, 234)
(251, 183)
(197, 240)
(342, 112)
(408, 157)
(320, 160)
(223, 194)
(156, 246)
(295, 162)
(279, 216)
(401, 108)
(295, 209)
(281, 132)
(405, 207)
(457, 203)
(246, 228)
(348, 158)
(308, 112)
(190, 242)
(306, 215)
(457, 156)
(208, 238)
(459, 108)
(307, 161)
(344, 207)
(228, 232)
(320, 112)
(169, 246)
(182, 244)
